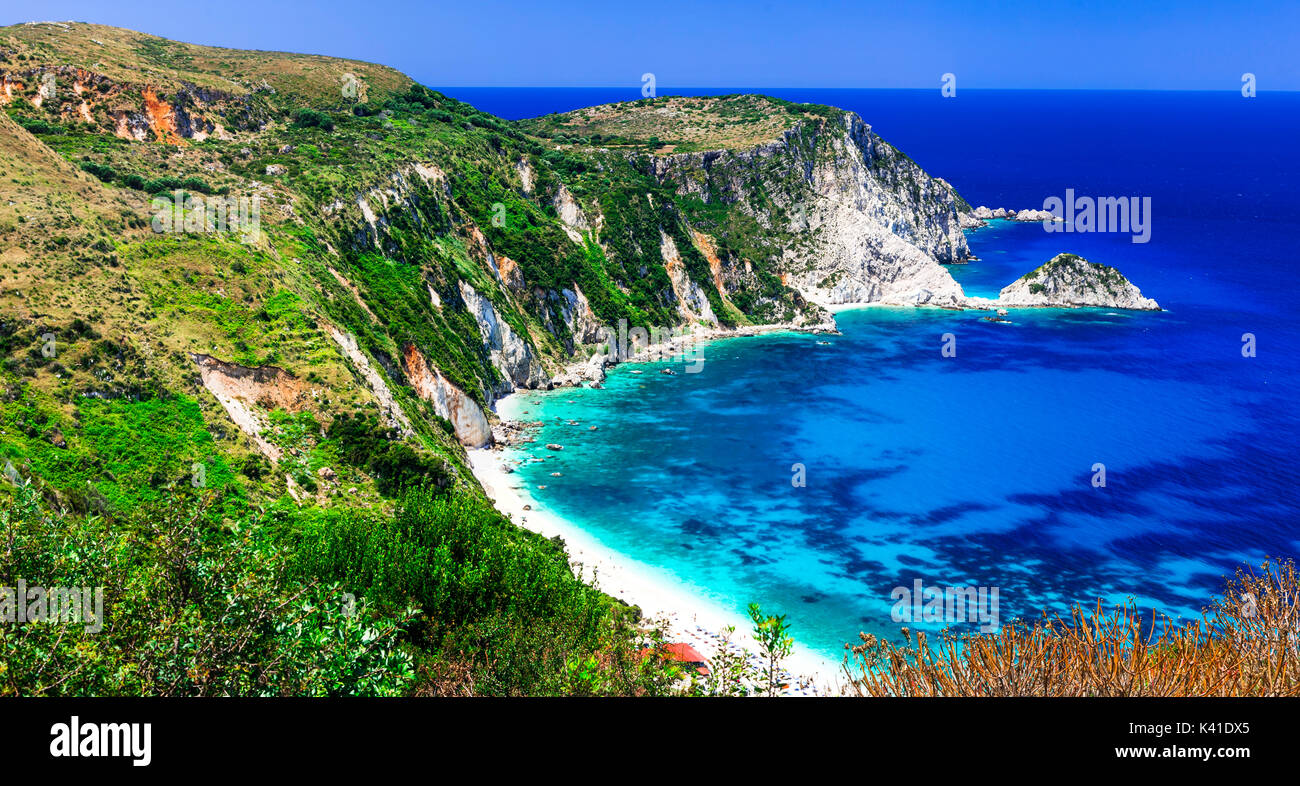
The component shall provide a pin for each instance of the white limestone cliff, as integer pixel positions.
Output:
(510, 353)
(878, 229)
(1070, 281)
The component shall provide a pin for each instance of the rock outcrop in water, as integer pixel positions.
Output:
(1068, 280)
(982, 215)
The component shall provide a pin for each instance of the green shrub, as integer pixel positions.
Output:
(394, 464)
(102, 171)
(190, 608)
(38, 126)
(172, 183)
(496, 599)
(310, 118)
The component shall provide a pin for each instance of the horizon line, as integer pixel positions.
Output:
(662, 90)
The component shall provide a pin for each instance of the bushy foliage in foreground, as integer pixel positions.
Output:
(191, 608)
(442, 597)
(1247, 644)
(502, 612)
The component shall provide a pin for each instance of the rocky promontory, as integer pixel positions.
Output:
(981, 215)
(1070, 281)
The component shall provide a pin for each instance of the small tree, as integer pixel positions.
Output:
(773, 636)
(730, 673)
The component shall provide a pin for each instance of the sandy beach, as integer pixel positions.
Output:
(687, 616)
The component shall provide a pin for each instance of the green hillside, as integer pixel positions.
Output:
(375, 201)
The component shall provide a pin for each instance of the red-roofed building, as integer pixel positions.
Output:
(685, 654)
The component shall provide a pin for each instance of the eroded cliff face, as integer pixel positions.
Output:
(579, 320)
(511, 354)
(692, 304)
(866, 224)
(572, 218)
(449, 401)
(395, 417)
(828, 214)
(247, 393)
(137, 111)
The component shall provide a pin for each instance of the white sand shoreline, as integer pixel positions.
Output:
(689, 617)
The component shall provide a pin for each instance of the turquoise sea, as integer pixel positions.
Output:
(977, 470)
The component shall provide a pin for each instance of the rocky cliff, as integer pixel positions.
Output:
(802, 207)
(865, 223)
(1070, 281)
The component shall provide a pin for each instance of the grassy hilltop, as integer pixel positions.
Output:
(678, 124)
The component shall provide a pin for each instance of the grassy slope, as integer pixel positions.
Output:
(131, 306)
(76, 248)
(128, 56)
(678, 124)
(112, 418)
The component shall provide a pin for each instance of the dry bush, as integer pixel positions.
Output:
(1245, 644)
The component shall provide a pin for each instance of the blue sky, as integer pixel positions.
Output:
(988, 44)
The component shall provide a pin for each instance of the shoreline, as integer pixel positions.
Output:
(663, 598)
(592, 369)
(668, 600)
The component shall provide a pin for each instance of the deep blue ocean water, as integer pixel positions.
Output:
(976, 470)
